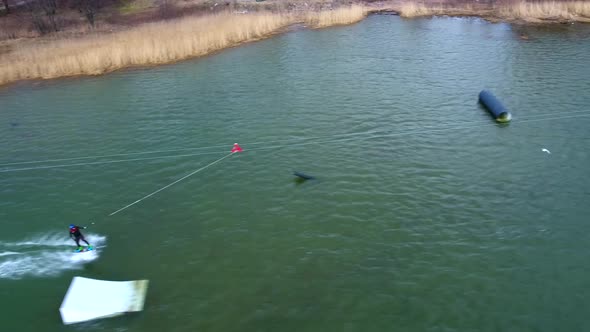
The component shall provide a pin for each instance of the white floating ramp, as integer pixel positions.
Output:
(89, 299)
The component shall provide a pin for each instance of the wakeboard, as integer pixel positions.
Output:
(84, 249)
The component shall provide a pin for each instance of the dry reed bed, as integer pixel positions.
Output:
(570, 10)
(340, 16)
(174, 40)
(517, 10)
(155, 43)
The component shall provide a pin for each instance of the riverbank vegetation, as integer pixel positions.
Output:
(338, 16)
(548, 10)
(53, 38)
(525, 11)
(148, 44)
(156, 43)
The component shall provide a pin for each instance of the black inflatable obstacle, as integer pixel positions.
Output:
(494, 106)
(303, 176)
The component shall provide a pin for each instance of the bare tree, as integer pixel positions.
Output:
(164, 8)
(89, 8)
(50, 9)
(37, 18)
(43, 15)
(7, 8)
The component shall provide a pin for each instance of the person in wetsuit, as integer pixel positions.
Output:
(77, 235)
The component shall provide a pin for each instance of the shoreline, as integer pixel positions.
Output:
(174, 40)
(522, 13)
(156, 43)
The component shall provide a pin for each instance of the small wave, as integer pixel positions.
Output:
(52, 240)
(45, 257)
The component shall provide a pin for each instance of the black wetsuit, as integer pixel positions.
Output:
(77, 236)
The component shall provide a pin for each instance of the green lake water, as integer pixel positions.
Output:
(425, 214)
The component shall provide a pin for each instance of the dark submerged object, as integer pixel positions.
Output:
(303, 176)
(494, 106)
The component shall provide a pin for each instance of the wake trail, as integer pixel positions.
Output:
(45, 255)
(7, 253)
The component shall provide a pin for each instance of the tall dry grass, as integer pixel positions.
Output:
(415, 9)
(564, 10)
(518, 9)
(155, 43)
(149, 44)
(339, 16)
